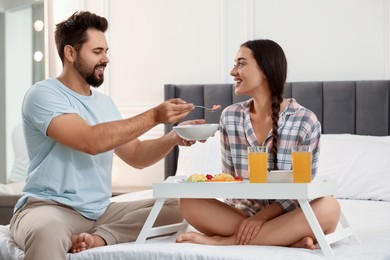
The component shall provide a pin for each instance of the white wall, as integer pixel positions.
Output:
(327, 40)
(153, 42)
(16, 4)
(18, 72)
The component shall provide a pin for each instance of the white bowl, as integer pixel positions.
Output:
(196, 132)
(280, 176)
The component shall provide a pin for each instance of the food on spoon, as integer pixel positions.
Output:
(196, 177)
(216, 107)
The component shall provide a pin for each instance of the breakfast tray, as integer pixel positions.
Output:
(177, 187)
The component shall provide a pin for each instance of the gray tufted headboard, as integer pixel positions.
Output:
(354, 107)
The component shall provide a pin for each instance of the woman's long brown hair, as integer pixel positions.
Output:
(272, 61)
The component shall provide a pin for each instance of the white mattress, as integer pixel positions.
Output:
(369, 219)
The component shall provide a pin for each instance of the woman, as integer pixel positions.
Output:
(266, 119)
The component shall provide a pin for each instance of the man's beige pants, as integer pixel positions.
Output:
(43, 228)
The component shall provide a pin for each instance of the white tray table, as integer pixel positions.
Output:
(176, 187)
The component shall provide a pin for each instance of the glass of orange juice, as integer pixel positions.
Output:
(258, 164)
(301, 163)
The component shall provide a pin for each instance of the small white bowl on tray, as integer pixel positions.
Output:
(197, 132)
(280, 176)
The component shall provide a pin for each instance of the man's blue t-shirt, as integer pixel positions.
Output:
(57, 172)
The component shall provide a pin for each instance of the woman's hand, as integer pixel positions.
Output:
(248, 229)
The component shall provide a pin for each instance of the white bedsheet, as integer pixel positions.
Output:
(369, 219)
(11, 188)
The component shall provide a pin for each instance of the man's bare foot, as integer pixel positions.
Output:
(197, 238)
(85, 241)
(306, 242)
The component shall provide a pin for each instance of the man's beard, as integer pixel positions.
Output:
(89, 76)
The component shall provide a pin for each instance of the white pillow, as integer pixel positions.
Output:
(21, 161)
(202, 158)
(385, 139)
(360, 164)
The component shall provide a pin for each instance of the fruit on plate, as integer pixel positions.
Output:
(196, 177)
(223, 177)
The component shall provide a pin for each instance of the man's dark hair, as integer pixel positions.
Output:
(73, 30)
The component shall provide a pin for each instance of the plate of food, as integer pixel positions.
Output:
(220, 177)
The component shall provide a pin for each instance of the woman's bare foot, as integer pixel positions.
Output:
(306, 242)
(197, 238)
(85, 241)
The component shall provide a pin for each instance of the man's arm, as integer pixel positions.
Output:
(73, 131)
(140, 154)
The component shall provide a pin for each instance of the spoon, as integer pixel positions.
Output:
(213, 109)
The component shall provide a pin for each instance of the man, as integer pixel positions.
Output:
(71, 133)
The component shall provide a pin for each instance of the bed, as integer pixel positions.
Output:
(10, 192)
(354, 150)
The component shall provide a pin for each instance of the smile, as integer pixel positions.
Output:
(100, 68)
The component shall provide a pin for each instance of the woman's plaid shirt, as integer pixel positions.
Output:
(297, 126)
